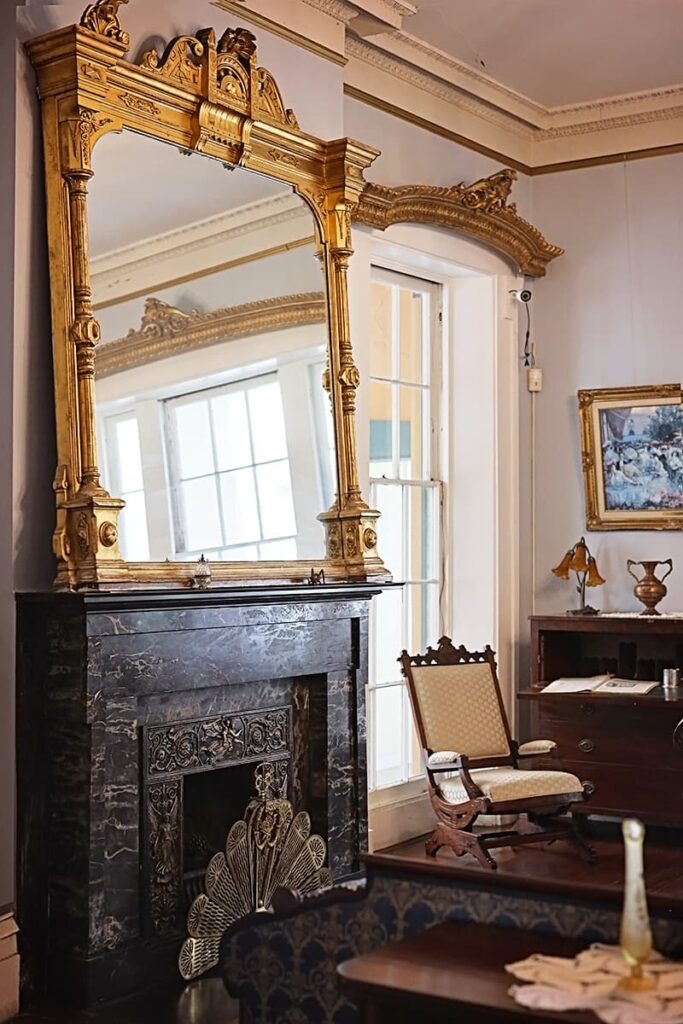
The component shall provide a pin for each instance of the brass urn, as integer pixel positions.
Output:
(649, 589)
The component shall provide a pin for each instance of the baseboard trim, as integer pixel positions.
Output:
(9, 968)
(399, 821)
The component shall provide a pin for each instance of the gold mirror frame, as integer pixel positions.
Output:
(209, 96)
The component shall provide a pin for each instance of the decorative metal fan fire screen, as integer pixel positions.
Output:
(269, 849)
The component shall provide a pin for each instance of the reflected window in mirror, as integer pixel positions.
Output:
(406, 486)
(213, 425)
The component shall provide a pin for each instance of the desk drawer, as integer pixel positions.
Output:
(650, 794)
(587, 732)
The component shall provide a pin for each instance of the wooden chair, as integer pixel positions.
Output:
(465, 735)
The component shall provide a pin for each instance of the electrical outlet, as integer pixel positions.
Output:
(534, 379)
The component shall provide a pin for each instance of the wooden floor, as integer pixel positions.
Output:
(202, 1002)
(557, 868)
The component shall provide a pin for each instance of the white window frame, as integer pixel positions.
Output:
(488, 602)
(432, 356)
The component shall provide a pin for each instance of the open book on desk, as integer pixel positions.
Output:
(600, 684)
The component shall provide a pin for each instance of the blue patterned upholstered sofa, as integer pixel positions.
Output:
(282, 966)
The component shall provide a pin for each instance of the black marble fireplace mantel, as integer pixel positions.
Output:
(132, 706)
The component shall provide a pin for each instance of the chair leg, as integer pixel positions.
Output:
(576, 837)
(460, 843)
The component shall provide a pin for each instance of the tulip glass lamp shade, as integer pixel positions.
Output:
(580, 561)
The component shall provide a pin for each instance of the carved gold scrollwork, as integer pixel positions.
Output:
(269, 101)
(78, 135)
(488, 194)
(102, 17)
(480, 211)
(140, 103)
(174, 64)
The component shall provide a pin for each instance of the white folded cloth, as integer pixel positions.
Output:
(590, 982)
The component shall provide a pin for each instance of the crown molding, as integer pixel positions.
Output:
(113, 270)
(328, 44)
(520, 129)
(337, 9)
(167, 331)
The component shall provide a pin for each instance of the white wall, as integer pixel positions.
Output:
(411, 155)
(607, 315)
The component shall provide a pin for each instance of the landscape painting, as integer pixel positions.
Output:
(633, 457)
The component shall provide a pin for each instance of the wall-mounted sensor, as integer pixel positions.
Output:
(521, 296)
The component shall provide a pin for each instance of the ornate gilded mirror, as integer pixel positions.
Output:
(204, 375)
(212, 421)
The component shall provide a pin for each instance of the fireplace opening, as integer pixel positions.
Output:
(212, 802)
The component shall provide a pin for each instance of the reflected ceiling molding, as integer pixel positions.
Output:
(167, 331)
(197, 236)
(479, 211)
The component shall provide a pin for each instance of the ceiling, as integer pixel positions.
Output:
(560, 52)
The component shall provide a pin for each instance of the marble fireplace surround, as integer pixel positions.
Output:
(121, 697)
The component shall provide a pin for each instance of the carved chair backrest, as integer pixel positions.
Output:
(456, 701)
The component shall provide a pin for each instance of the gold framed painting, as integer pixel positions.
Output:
(632, 454)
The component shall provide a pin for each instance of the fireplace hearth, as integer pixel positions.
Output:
(141, 720)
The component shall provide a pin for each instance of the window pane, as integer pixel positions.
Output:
(246, 553)
(267, 423)
(193, 439)
(133, 521)
(422, 532)
(413, 434)
(380, 330)
(423, 615)
(387, 624)
(275, 499)
(381, 429)
(388, 729)
(231, 430)
(129, 462)
(200, 515)
(388, 499)
(240, 510)
(274, 550)
(412, 344)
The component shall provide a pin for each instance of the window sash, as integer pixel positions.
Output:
(397, 761)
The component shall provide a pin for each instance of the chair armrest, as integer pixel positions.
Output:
(442, 757)
(534, 748)
(445, 761)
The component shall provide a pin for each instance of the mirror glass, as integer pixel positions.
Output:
(212, 421)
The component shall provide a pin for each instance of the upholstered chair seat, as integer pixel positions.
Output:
(503, 784)
(473, 764)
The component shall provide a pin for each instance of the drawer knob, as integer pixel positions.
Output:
(588, 787)
(678, 735)
(586, 746)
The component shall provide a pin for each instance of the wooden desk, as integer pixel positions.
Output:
(449, 968)
(628, 750)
